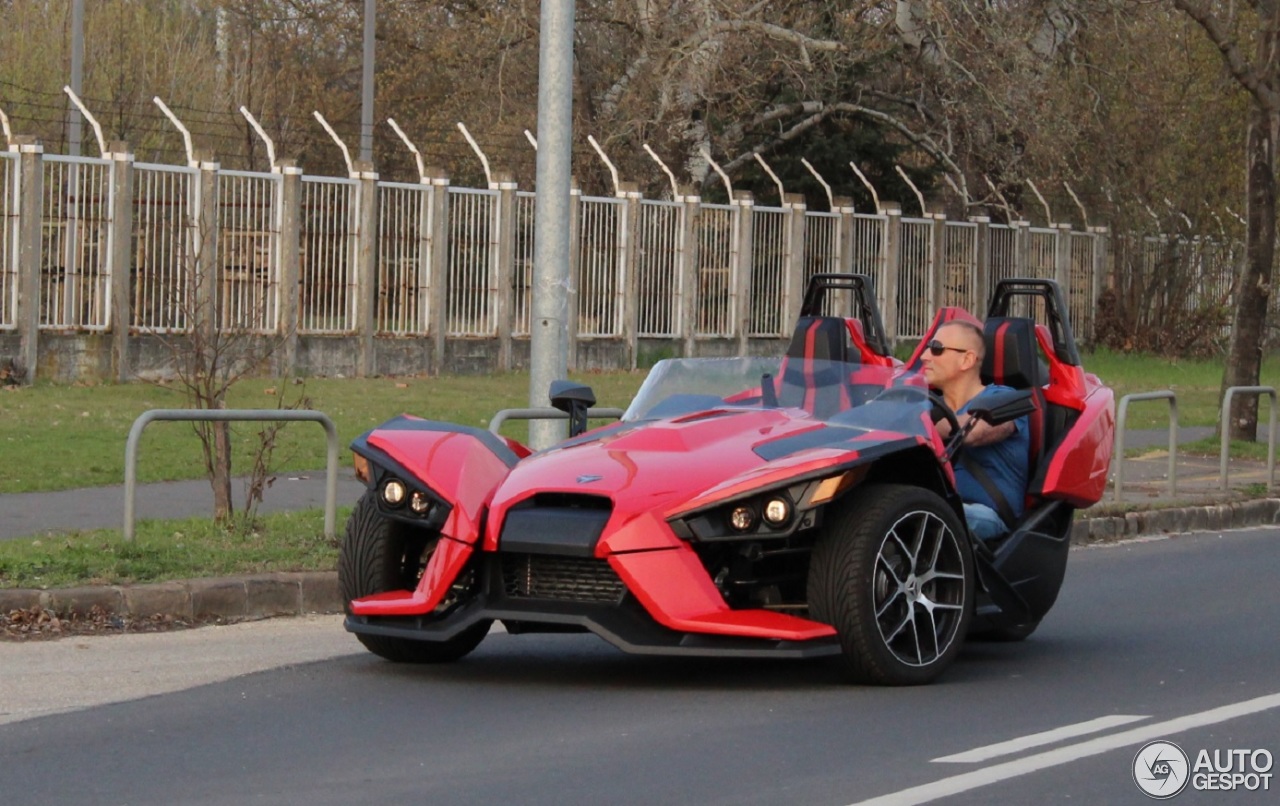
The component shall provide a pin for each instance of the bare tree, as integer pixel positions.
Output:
(1258, 23)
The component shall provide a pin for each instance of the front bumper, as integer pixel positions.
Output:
(582, 601)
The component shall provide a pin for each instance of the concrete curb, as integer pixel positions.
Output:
(291, 594)
(228, 598)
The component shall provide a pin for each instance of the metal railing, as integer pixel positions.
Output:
(600, 284)
(404, 258)
(1122, 414)
(330, 212)
(771, 243)
(75, 267)
(473, 262)
(1223, 426)
(548, 413)
(658, 245)
(717, 287)
(231, 415)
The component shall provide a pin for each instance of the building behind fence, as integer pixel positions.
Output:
(102, 267)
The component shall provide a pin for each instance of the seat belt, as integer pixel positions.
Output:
(984, 481)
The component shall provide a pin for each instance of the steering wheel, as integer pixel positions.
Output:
(940, 406)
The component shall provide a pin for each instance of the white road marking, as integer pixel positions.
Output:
(1040, 739)
(1065, 755)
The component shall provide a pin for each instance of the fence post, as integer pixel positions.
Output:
(505, 183)
(208, 236)
(629, 192)
(366, 267)
(30, 207)
(1021, 247)
(982, 265)
(745, 203)
(575, 270)
(290, 263)
(794, 268)
(937, 260)
(691, 205)
(892, 266)
(1062, 258)
(438, 251)
(120, 238)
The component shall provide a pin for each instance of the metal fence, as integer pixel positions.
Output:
(659, 242)
(717, 288)
(473, 262)
(330, 212)
(404, 259)
(75, 270)
(164, 214)
(8, 239)
(770, 245)
(601, 264)
(444, 262)
(522, 268)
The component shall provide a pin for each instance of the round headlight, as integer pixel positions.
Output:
(393, 492)
(419, 503)
(742, 518)
(777, 511)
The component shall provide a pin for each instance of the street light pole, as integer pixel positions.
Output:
(366, 82)
(77, 74)
(549, 341)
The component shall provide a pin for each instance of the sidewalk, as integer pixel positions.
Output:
(1144, 508)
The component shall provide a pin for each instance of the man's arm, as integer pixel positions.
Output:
(983, 433)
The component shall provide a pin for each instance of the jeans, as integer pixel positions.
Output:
(984, 522)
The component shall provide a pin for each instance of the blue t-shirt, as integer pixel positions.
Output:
(1005, 462)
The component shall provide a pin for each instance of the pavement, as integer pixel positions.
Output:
(1143, 507)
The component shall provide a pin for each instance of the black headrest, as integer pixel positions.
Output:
(821, 338)
(1012, 358)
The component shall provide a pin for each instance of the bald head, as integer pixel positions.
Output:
(964, 334)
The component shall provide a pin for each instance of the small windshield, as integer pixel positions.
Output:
(839, 393)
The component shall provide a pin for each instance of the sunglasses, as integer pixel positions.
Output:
(938, 348)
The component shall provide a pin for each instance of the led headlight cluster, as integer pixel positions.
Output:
(395, 494)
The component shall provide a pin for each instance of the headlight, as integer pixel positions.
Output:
(742, 518)
(777, 511)
(419, 503)
(393, 492)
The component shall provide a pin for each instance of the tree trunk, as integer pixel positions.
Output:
(1253, 285)
(220, 478)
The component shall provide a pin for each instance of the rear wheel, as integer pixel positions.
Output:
(893, 574)
(381, 555)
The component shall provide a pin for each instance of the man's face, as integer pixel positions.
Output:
(957, 356)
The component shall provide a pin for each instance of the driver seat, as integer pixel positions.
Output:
(812, 386)
(1013, 360)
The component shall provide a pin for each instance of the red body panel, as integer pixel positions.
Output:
(444, 566)
(457, 466)
(1078, 472)
(674, 587)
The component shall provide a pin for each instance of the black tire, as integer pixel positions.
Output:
(899, 634)
(380, 555)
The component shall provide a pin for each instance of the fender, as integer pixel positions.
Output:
(459, 465)
(1078, 472)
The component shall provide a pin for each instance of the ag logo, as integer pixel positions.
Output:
(1161, 769)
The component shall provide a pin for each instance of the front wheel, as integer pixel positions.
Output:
(381, 555)
(893, 574)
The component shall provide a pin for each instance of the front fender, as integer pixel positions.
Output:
(459, 465)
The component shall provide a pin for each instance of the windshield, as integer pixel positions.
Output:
(835, 392)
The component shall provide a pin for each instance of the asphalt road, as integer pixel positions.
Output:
(1149, 640)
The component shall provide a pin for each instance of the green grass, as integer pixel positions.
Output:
(167, 550)
(56, 437)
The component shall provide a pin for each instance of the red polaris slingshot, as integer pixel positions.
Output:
(800, 506)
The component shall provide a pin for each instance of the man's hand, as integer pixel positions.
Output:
(982, 433)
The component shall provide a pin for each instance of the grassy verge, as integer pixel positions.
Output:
(55, 437)
(168, 550)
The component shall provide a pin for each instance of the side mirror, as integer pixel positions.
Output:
(1003, 407)
(573, 399)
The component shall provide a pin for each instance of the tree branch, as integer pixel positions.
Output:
(1247, 75)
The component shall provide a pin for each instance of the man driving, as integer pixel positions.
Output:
(991, 470)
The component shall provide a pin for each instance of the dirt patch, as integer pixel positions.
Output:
(39, 624)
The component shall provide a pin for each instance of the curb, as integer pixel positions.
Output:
(229, 598)
(291, 594)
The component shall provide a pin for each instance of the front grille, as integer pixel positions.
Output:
(565, 579)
